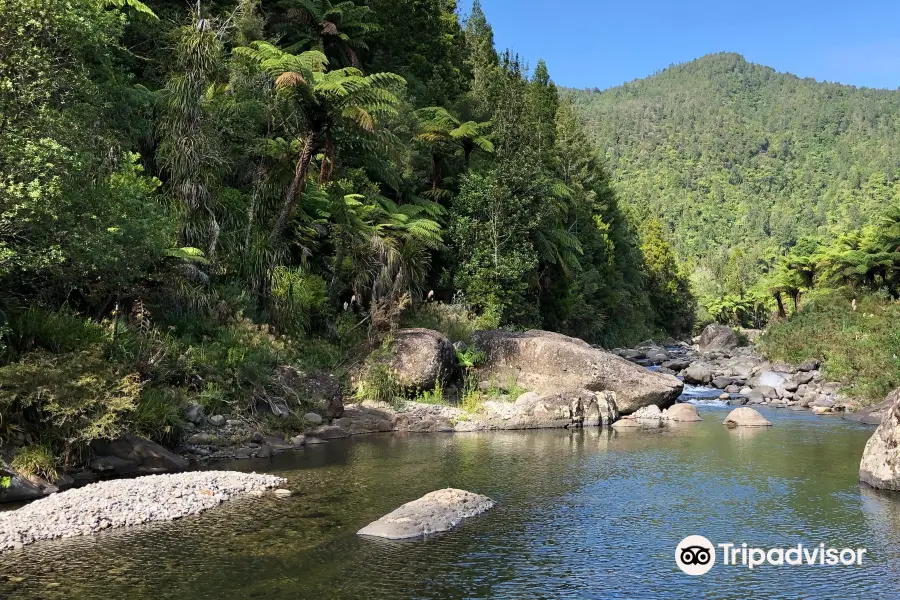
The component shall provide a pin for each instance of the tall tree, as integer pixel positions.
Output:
(326, 100)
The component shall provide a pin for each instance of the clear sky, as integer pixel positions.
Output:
(597, 43)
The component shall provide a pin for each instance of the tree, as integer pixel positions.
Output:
(189, 145)
(326, 101)
(445, 134)
(338, 30)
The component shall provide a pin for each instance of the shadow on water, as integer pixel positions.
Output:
(581, 514)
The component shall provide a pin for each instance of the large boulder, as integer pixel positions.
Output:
(880, 464)
(718, 337)
(698, 374)
(432, 513)
(546, 362)
(320, 390)
(745, 417)
(422, 358)
(773, 379)
(132, 455)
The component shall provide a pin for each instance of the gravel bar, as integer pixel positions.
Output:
(124, 502)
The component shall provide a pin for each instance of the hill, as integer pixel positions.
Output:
(742, 162)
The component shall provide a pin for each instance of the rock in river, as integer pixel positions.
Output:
(546, 362)
(718, 337)
(745, 417)
(880, 465)
(432, 513)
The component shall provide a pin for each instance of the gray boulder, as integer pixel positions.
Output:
(435, 512)
(804, 377)
(21, 488)
(718, 337)
(767, 391)
(422, 358)
(823, 401)
(745, 417)
(681, 412)
(722, 382)
(809, 365)
(771, 379)
(697, 374)
(874, 415)
(193, 413)
(545, 362)
(677, 364)
(133, 455)
(880, 464)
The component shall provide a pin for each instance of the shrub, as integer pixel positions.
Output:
(159, 413)
(456, 321)
(57, 332)
(376, 380)
(74, 397)
(297, 299)
(35, 460)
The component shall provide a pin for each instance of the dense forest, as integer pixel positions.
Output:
(767, 185)
(192, 194)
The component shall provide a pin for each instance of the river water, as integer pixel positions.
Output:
(580, 514)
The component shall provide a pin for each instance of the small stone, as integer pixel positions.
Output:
(217, 420)
(200, 438)
(283, 492)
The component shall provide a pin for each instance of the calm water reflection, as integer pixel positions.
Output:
(586, 514)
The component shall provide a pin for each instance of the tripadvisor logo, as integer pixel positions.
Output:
(696, 555)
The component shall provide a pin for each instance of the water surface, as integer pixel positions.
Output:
(581, 514)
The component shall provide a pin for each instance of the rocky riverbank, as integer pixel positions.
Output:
(124, 502)
(718, 360)
(566, 383)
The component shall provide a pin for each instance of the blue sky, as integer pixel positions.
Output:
(595, 43)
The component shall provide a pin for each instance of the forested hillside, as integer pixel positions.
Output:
(745, 166)
(192, 194)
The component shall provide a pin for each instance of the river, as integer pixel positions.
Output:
(581, 514)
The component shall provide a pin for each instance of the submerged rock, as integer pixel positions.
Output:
(545, 362)
(745, 417)
(432, 513)
(880, 464)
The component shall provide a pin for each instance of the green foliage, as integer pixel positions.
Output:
(377, 381)
(298, 298)
(57, 332)
(435, 396)
(858, 347)
(470, 358)
(35, 460)
(744, 165)
(72, 398)
(456, 321)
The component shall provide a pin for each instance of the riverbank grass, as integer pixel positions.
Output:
(860, 348)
